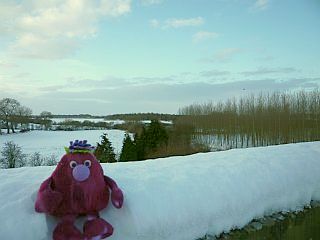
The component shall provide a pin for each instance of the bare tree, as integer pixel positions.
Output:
(12, 156)
(45, 119)
(22, 116)
(8, 109)
(266, 119)
(46, 114)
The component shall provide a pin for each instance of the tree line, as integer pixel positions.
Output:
(14, 115)
(256, 120)
(71, 125)
(140, 147)
(141, 116)
(149, 141)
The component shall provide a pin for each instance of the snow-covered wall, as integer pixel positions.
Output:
(179, 198)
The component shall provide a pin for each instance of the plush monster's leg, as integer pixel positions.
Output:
(66, 230)
(96, 228)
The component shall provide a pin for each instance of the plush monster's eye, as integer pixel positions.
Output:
(73, 164)
(87, 163)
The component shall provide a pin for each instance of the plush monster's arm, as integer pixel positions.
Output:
(116, 193)
(47, 199)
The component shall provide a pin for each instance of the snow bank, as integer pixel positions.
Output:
(180, 198)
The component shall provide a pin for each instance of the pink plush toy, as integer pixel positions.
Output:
(78, 187)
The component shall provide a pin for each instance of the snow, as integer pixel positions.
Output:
(52, 142)
(162, 121)
(180, 198)
(95, 120)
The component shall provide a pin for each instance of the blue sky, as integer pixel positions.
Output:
(119, 56)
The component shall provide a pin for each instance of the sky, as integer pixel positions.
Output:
(122, 56)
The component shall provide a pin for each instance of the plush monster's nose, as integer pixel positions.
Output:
(80, 172)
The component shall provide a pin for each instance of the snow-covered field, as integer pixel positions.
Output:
(52, 142)
(179, 198)
(95, 120)
(59, 120)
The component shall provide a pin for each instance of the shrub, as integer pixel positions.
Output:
(36, 160)
(51, 160)
(12, 156)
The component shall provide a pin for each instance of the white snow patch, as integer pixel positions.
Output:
(60, 120)
(179, 198)
(95, 120)
(161, 121)
(53, 142)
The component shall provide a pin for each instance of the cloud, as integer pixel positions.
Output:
(222, 55)
(156, 97)
(53, 29)
(52, 88)
(184, 22)
(154, 23)
(33, 46)
(203, 35)
(266, 58)
(107, 83)
(86, 84)
(114, 8)
(214, 73)
(264, 71)
(177, 22)
(151, 2)
(7, 65)
(226, 53)
(8, 10)
(261, 4)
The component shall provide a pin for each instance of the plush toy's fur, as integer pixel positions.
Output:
(78, 187)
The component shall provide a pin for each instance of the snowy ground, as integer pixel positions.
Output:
(95, 120)
(180, 198)
(52, 142)
(59, 120)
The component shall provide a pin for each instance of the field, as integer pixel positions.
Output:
(53, 142)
